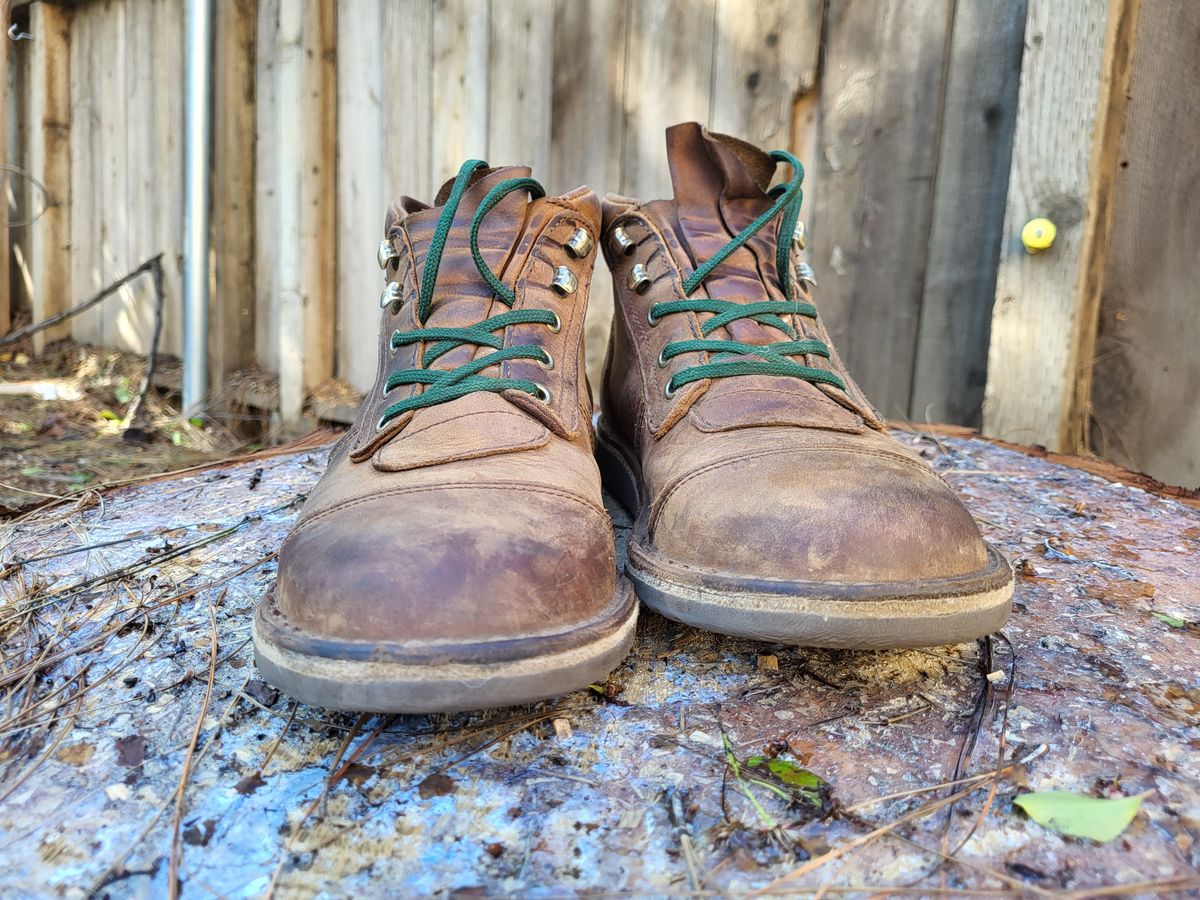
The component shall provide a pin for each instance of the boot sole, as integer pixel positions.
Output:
(375, 678)
(865, 616)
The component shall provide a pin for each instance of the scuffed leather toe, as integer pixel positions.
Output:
(818, 516)
(481, 563)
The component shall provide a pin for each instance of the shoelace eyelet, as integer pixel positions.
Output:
(543, 393)
(662, 361)
(669, 390)
(556, 326)
(548, 362)
(651, 318)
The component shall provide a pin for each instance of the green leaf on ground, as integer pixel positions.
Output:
(1078, 815)
(789, 773)
(1173, 621)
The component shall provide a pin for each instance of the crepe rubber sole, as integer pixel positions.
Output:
(439, 678)
(863, 616)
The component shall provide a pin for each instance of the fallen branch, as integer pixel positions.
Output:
(151, 265)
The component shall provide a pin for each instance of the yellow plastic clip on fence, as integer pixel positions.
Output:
(1038, 235)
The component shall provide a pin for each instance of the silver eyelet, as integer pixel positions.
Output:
(556, 326)
(800, 236)
(548, 362)
(579, 244)
(622, 243)
(662, 362)
(639, 279)
(543, 393)
(650, 317)
(392, 346)
(669, 391)
(380, 424)
(391, 296)
(565, 283)
(808, 278)
(387, 253)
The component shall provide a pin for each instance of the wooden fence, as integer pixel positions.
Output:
(904, 112)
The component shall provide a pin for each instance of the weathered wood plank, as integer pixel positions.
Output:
(766, 54)
(130, 317)
(587, 131)
(1146, 367)
(167, 210)
(111, 226)
(364, 71)
(49, 157)
(86, 260)
(5, 301)
(460, 85)
(520, 83)
(266, 187)
(1074, 78)
(232, 312)
(384, 96)
(305, 202)
(974, 154)
(872, 191)
(668, 79)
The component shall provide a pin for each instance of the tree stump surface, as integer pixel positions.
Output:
(645, 785)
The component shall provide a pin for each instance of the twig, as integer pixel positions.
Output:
(176, 844)
(21, 333)
(160, 296)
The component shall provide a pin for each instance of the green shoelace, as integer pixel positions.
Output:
(775, 357)
(448, 384)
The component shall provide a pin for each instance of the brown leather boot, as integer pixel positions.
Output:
(456, 554)
(769, 501)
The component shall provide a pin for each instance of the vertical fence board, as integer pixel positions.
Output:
(110, 94)
(1073, 83)
(586, 130)
(362, 86)
(668, 79)
(232, 306)
(5, 307)
(1146, 365)
(306, 215)
(766, 53)
(266, 181)
(520, 84)
(50, 158)
(383, 86)
(881, 92)
(132, 313)
(460, 84)
(86, 260)
(968, 211)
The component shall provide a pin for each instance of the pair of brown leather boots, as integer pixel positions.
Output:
(457, 554)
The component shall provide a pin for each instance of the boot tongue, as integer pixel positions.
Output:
(720, 188)
(461, 297)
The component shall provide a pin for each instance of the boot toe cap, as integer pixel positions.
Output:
(827, 517)
(452, 566)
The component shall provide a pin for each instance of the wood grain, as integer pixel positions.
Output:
(872, 191)
(1146, 367)
(232, 322)
(1074, 79)
(587, 132)
(49, 157)
(974, 154)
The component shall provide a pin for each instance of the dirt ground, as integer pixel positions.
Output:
(64, 425)
(139, 748)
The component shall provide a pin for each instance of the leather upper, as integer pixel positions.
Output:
(478, 519)
(765, 476)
